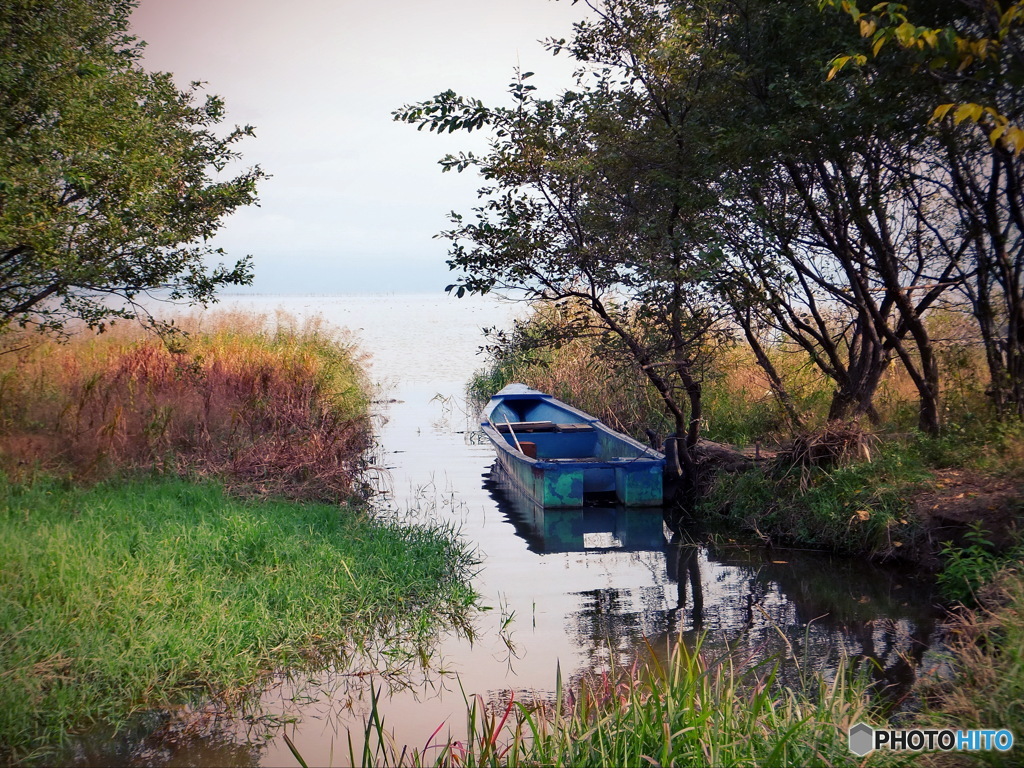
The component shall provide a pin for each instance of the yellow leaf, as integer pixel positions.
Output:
(941, 111)
(863, 514)
(905, 33)
(868, 27)
(1015, 137)
(1014, 13)
(837, 64)
(968, 111)
(897, 543)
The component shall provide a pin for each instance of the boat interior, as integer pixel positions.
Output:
(529, 409)
(546, 431)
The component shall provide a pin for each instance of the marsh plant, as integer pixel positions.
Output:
(271, 403)
(689, 710)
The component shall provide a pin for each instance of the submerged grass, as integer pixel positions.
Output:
(690, 710)
(133, 594)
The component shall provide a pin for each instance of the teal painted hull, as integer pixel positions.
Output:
(605, 528)
(558, 455)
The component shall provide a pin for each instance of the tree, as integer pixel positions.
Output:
(112, 180)
(838, 239)
(972, 51)
(594, 196)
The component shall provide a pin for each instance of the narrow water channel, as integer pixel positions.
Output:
(573, 591)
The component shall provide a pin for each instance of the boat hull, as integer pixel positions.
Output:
(559, 455)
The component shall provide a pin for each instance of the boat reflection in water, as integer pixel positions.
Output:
(807, 611)
(580, 529)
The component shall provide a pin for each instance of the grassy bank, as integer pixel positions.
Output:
(131, 594)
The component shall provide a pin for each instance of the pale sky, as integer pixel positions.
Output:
(355, 198)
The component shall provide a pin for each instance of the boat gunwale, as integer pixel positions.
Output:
(522, 392)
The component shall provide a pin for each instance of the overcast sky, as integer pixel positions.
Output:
(355, 198)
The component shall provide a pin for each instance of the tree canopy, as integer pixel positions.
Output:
(112, 179)
(705, 176)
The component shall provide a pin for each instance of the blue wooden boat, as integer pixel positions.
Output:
(558, 454)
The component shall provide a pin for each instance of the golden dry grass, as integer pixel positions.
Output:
(266, 402)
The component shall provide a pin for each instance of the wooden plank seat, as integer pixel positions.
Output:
(575, 427)
(520, 427)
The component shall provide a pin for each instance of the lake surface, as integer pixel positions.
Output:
(574, 591)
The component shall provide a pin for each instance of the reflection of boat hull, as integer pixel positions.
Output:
(557, 454)
(547, 530)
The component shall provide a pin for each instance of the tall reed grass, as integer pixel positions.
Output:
(277, 405)
(986, 689)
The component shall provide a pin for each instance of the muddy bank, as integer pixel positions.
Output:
(887, 509)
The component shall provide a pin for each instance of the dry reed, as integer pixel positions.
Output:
(269, 404)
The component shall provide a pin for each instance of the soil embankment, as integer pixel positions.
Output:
(960, 499)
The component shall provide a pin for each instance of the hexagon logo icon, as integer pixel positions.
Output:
(862, 739)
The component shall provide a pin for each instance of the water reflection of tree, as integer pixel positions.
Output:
(683, 567)
(188, 738)
(808, 614)
(812, 613)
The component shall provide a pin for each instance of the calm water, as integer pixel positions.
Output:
(568, 589)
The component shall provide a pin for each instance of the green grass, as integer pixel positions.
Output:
(690, 710)
(134, 594)
(967, 569)
(860, 508)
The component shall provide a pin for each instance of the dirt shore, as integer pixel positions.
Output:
(960, 498)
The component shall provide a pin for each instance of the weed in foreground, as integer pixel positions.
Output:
(688, 711)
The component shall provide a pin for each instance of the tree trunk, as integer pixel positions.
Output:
(774, 380)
